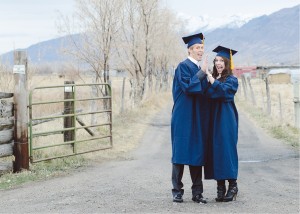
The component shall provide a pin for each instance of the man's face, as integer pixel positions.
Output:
(196, 51)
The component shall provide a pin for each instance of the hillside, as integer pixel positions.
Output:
(265, 40)
(272, 39)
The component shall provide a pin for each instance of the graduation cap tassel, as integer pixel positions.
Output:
(231, 61)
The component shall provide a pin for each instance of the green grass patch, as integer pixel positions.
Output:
(42, 171)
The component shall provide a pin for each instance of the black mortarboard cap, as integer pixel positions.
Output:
(193, 39)
(225, 52)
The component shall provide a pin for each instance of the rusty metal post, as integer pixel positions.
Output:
(20, 110)
(69, 122)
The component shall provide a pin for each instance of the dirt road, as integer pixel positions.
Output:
(268, 181)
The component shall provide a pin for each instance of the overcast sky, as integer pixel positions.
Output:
(230, 7)
(26, 22)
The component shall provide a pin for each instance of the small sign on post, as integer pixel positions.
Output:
(19, 69)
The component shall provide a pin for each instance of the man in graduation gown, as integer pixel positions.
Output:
(190, 118)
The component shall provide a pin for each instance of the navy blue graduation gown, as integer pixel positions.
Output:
(222, 156)
(190, 115)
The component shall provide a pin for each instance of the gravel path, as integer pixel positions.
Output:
(268, 180)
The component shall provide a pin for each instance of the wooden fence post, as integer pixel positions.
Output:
(268, 96)
(262, 101)
(94, 93)
(123, 94)
(297, 104)
(21, 112)
(244, 86)
(69, 122)
(280, 107)
(251, 91)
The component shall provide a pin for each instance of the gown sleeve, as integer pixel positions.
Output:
(225, 89)
(189, 83)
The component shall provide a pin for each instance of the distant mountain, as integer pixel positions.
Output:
(265, 40)
(44, 52)
(272, 39)
(206, 24)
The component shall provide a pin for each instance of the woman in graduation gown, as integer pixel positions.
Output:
(222, 157)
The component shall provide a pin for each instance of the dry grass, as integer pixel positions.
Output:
(128, 128)
(284, 91)
(130, 114)
(280, 123)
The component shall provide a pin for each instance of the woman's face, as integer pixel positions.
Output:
(220, 64)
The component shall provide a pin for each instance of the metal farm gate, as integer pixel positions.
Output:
(68, 120)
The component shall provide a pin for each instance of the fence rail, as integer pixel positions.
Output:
(276, 100)
(70, 115)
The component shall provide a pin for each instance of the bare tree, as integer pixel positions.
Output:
(149, 17)
(147, 30)
(6, 78)
(168, 49)
(143, 34)
(132, 53)
(97, 24)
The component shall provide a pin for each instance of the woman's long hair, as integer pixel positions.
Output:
(225, 73)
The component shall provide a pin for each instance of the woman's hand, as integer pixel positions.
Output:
(210, 77)
(207, 72)
(204, 66)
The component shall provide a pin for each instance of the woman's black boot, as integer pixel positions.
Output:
(221, 190)
(232, 191)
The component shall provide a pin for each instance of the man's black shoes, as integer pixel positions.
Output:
(199, 199)
(178, 198)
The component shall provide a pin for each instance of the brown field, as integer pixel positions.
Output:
(282, 105)
(280, 123)
(57, 93)
(285, 116)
